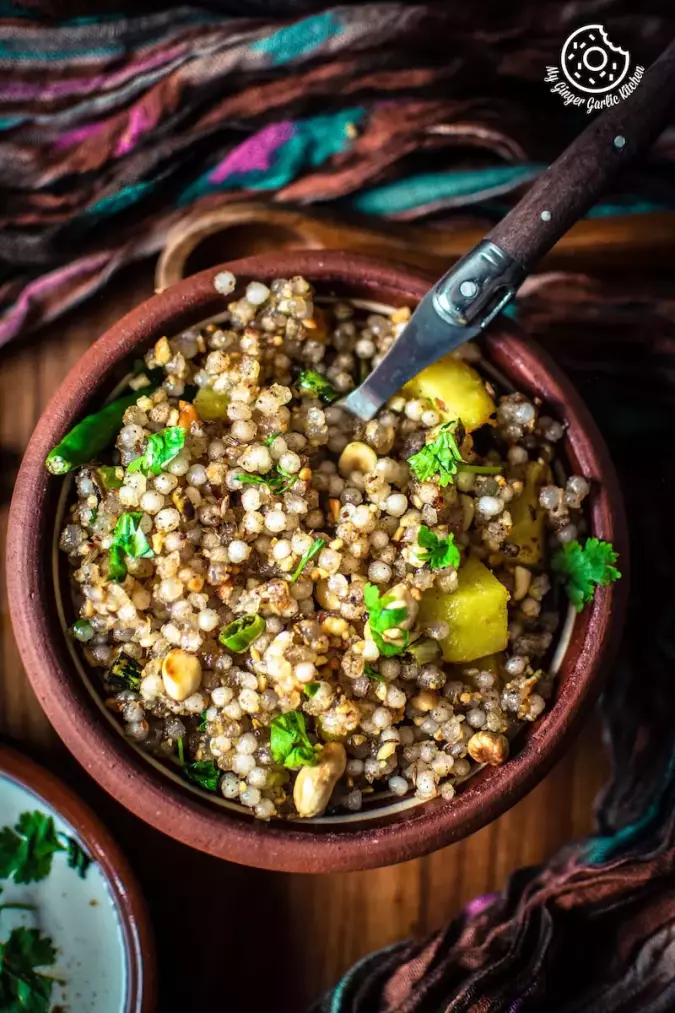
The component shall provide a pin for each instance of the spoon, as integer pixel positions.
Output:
(481, 284)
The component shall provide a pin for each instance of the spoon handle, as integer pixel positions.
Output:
(576, 179)
(475, 289)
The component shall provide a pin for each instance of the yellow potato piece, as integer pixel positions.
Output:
(529, 519)
(211, 406)
(476, 613)
(490, 663)
(457, 389)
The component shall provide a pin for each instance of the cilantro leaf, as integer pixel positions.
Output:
(201, 727)
(160, 449)
(23, 989)
(78, 858)
(203, 773)
(382, 617)
(128, 540)
(439, 458)
(12, 852)
(372, 673)
(290, 742)
(26, 852)
(312, 551)
(312, 382)
(440, 552)
(311, 688)
(583, 568)
(278, 480)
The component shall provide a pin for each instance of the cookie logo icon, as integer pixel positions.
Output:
(591, 63)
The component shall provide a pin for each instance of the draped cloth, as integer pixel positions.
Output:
(115, 127)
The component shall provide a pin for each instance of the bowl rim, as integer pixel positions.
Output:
(133, 782)
(125, 892)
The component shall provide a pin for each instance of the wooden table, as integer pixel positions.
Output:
(286, 937)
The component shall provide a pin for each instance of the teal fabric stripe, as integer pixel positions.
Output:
(633, 206)
(116, 202)
(8, 52)
(428, 188)
(603, 849)
(301, 39)
(315, 141)
(360, 967)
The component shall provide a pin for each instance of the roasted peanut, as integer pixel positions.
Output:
(314, 785)
(181, 674)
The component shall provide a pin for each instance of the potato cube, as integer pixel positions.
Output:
(529, 518)
(457, 390)
(476, 613)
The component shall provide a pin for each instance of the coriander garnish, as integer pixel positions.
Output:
(313, 382)
(22, 985)
(78, 858)
(128, 540)
(382, 617)
(160, 450)
(585, 567)
(439, 552)
(26, 851)
(439, 458)
(278, 480)
(203, 773)
(290, 742)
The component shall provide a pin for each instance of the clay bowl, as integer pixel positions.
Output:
(394, 831)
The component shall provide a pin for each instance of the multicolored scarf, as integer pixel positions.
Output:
(112, 129)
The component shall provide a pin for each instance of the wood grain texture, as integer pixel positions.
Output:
(241, 229)
(313, 927)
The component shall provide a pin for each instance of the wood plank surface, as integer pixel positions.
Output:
(225, 932)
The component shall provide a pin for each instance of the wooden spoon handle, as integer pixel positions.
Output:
(574, 181)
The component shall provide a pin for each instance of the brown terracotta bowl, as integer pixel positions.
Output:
(393, 832)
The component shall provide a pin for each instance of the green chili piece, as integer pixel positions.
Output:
(241, 633)
(125, 673)
(82, 630)
(90, 436)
